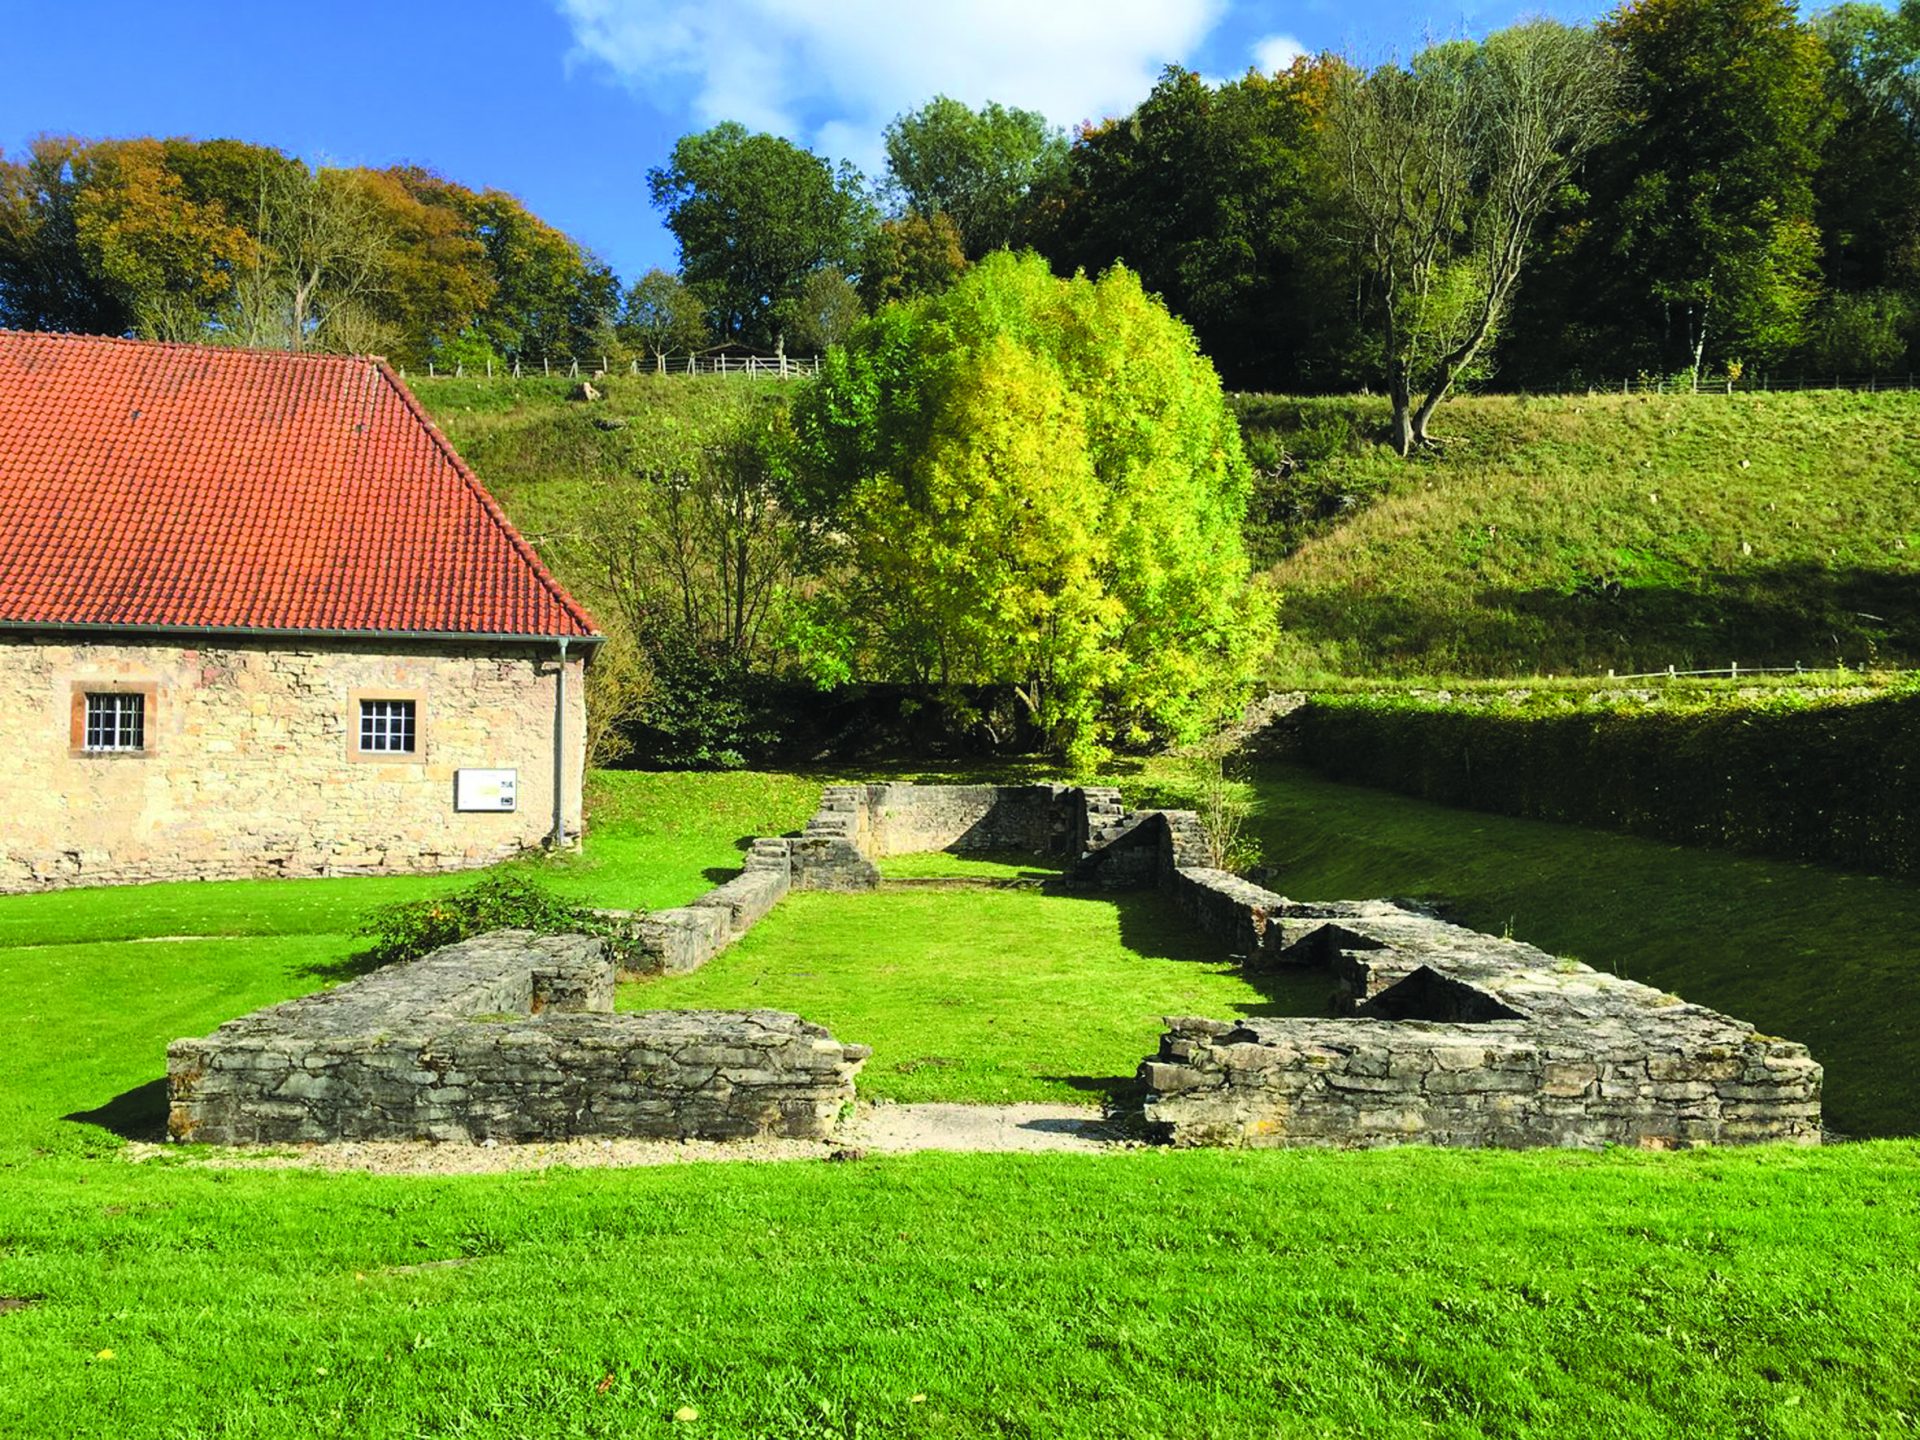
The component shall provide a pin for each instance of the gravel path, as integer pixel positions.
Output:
(871, 1130)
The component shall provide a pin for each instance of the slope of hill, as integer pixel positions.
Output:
(541, 452)
(1574, 534)
(1564, 535)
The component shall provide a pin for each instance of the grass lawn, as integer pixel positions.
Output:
(1815, 954)
(983, 995)
(1737, 1293)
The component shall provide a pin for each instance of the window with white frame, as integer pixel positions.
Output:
(116, 721)
(386, 727)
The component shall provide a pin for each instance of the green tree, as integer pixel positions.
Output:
(754, 216)
(1702, 245)
(699, 551)
(1038, 484)
(1212, 197)
(661, 316)
(909, 256)
(1443, 169)
(973, 166)
(825, 311)
(551, 299)
(1867, 201)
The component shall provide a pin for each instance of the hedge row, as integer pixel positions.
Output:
(1834, 782)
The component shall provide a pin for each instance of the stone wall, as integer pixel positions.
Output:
(1456, 1038)
(248, 769)
(506, 1037)
(908, 819)
(855, 824)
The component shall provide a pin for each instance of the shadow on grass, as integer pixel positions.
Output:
(138, 1114)
(1771, 615)
(348, 967)
(1154, 928)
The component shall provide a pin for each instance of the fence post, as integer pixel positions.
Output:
(429, 369)
(489, 367)
(546, 366)
(459, 369)
(1670, 670)
(1733, 671)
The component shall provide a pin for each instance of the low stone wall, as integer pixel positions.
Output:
(855, 824)
(908, 819)
(1457, 1038)
(506, 1037)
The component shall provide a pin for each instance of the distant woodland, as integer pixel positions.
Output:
(1687, 188)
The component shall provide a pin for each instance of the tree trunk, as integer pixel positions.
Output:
(1400, 390)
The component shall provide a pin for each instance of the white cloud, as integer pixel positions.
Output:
(833, 74)
(1275, 53)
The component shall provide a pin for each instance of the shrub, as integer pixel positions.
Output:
(1222, 805)
(408, 930)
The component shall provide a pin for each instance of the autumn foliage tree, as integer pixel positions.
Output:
(226, 242)
(1038, 485)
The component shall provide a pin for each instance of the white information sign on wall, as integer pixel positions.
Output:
(486, 789)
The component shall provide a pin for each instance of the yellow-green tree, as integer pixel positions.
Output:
(1039, 485)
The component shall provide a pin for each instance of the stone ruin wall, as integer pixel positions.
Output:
(1446, 1036)
(508, 1037)
(1439, 1035)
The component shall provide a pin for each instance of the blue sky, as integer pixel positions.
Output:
(567, 103)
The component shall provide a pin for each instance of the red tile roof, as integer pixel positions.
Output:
(167, 486)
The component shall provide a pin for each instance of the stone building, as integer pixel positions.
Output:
(258, 618)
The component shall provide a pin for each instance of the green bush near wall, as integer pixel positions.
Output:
(1776, 774)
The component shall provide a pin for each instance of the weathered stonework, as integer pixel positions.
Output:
(1457, 1038)
(1449, 1037)
(248, 769)
(506, 1037)
(906, 819)
(856, 824)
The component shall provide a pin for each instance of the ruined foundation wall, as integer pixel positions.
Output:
(506, 1037)
(1502, 1084)
(907, 819)
(1457, 1038)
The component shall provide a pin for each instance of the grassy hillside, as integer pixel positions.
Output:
(1547, 536)
(1574, 534)
(541, 452)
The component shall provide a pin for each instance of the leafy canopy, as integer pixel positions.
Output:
(975, 166)
(1039, 485)
(755, 215)
(1706, 235)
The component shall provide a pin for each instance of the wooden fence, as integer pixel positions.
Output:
(779, 367)
(1684, 385)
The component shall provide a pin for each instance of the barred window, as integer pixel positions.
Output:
(386, 727)
(116, 722)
